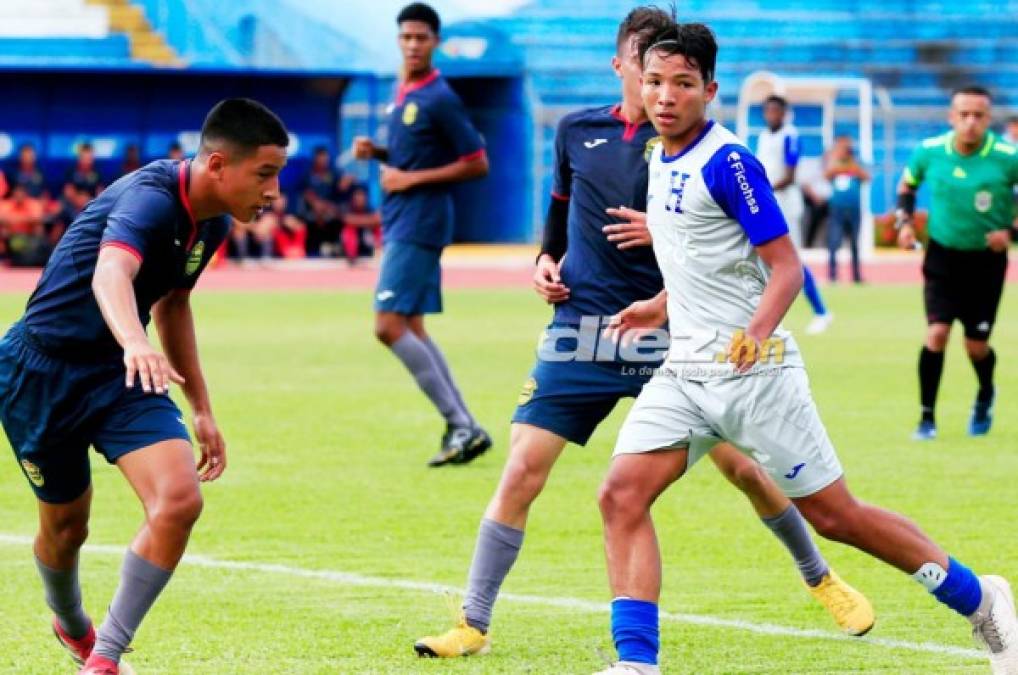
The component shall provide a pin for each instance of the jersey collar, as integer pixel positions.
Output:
(696, 141)
(629, 132)
(982, 152)
(403, 89)
(183, 179)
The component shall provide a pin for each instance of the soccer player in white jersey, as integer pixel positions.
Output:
(731, 272)
(778, 149)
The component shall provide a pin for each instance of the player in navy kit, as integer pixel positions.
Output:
(601, 166)
(431, 145)
(78, 370)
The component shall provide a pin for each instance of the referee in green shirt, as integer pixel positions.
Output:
(971, 173)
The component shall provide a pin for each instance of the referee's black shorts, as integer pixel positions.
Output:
(963, 285)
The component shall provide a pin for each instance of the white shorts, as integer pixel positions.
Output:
(769, 416)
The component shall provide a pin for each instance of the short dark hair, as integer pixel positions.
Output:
(320, 149)
(243, 123)
(418, 11)
(643, 22)
(779, 100)
(694, 41)
(973, 89)
(85, 145)
(1012, 119)
(175, 145)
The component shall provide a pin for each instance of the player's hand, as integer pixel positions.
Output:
(637, 320)
(396, 180)
(148, 365)
(548, 282)
(998, 240)
(743, 351)
(906, 237)
(629, 234)
(212, 447)
(363, 148)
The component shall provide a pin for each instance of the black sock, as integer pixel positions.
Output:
(931, 365)
(984, 371)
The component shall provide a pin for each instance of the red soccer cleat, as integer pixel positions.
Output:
(79, 649)
(99, 665)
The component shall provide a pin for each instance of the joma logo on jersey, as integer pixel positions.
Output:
(735, 163)
(675, 197)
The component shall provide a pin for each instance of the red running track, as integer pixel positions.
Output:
(236, 278)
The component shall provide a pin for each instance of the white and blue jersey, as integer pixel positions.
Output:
(708, 207)
(779, 151)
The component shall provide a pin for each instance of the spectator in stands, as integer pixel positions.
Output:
(132, 159)
(320, 208)
(1011, 130)
(846, 176)
(26, 173)
(22, 232)
(362, 226)
(273, 232)
(3, 185)
(175, 152)
(288, 232)
(83, 176)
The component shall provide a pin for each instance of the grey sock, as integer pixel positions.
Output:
(63, 595)
(140, 585)
(790, 528)
(443, 366)
(495, 553)
(418, 360)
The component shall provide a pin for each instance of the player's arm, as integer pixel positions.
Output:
(113, 286)
(175, 323)
(464, 168)
(365, 148)
(791, 160)
(642, 315)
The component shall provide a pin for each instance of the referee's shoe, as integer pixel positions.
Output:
(982, 416)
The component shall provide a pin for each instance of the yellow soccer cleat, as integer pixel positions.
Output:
(463, 640)
(850, 609)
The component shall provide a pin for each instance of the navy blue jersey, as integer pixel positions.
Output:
(428, 128)
(601, 162)
(146, 213)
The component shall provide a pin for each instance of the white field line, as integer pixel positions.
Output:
(574, 604)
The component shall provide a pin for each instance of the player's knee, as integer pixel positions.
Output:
(177, 511)
(66, 536)
(936, 337)
(835, 525)
(522, 482)
(977, 350)
(748, 476)
(387, 332)
(619, 502)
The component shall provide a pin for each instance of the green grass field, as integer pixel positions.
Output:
(328, 438)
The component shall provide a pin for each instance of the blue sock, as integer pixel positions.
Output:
(809, 287)
(635, 631)
(958, 587)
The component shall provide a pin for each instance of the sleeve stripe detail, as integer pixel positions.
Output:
(124, 247)
(477, 154)
(561, 198)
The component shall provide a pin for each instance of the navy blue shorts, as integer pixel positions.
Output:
(53, 409)
(410, 280)
(571, 397)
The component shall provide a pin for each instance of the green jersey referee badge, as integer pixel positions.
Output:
(194, 258)
(984, 201)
